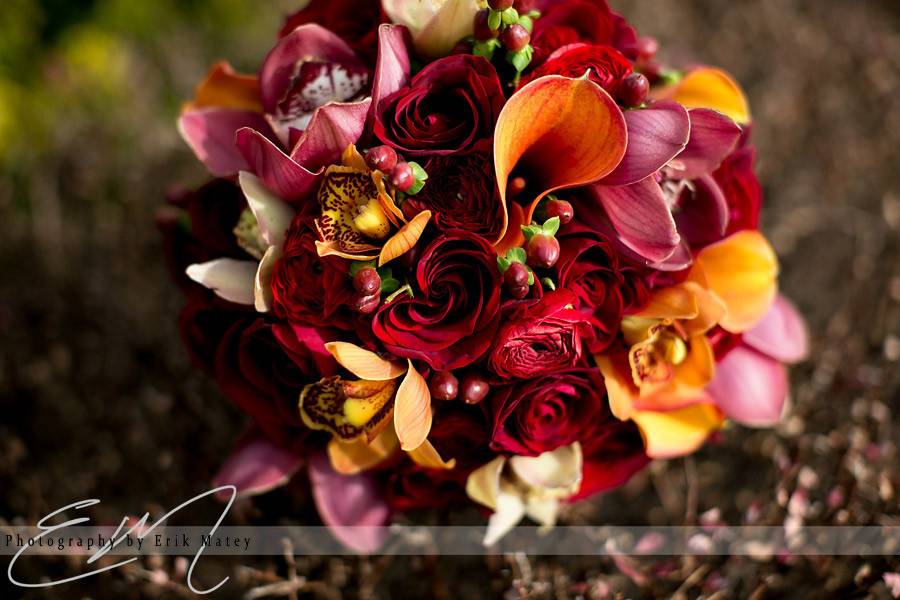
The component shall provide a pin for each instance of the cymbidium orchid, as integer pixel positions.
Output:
(436, 25)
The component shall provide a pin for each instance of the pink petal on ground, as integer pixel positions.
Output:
(656, 135)
(333, 127)
(713, 137)
(750, 387)
(284, 177)
(308, 42)
(350, 505)
(640, 217)
(210, 134)
(781, 334)
(255, 467)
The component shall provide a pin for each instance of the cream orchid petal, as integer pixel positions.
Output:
(273, 214)
(262, 282)
(483, 484)
(229, 278)
(557, 473)
(509, 510)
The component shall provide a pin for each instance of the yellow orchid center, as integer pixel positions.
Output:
(656, 347)
(371, 220)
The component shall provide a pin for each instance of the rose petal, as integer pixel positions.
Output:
(262, 282)
(350, 505)
(750, 388)
(350, 458)
(677, 432)
(257, 466)
(308, 42)
(273, 215)
(224, 88)
(332, 129)
(229, 278)
(640, 217)
(278, 172)
(707, 87)
(452, 22)
(210, 132)
(427, 456)
(560, 132)
(402, 241)
(363, 363)
(742, 270)
(412, 410)
(656, 135)
(713, 137)
(558, 470)
(781, 334)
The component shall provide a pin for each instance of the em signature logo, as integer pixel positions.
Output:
(138, 530)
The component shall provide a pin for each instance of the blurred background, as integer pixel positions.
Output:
(98, 399)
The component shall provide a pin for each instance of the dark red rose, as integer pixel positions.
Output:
(462, 193)
(743, 194)
(355, 21)
(308, 289)
(539, 338)
(450, 321)
(567, 22)
(605, 66)
(606, 289)
(449, 106)
(612, 453)
(539, 415)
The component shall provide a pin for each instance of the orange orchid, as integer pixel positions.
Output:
(659, 381)
(708, 87)
(359, 219)
(371, 417)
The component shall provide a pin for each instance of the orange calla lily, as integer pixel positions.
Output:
(563, 132)
(707, 87)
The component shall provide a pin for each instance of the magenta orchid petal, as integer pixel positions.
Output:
(256, 466)
(782, 333)
(333, 127)
(284, 177)
(350, 505)
(308, 42)
(702, 215)
(679, 260)
(392, 67)
(640, 217)
(656, 135)
(750, 387)
(713, 137)
(210, 134)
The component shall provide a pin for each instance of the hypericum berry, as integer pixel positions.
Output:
(366, 304)
(367, 281)
(482, 30)
(652, 70)
(543, 251)
(402, 176)
(474, 388)
(634, 90)
(443, 386)
(647, 47)
(561, 209)
(500, 4)
(519, 291)
(516, 186)
(515, 37)
(516, 275)
(381, 158)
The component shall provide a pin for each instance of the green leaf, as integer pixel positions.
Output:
(548, 283)
(418, 172)
(550, 227)
(670, 77)
(485, 49)
(503, 264)
(534, 14)
(521, 59)
(516, 255)
(389, 285)
(416, 187)
(357, 265)
(527, 22)
(494, 18)
(530, 231)
(509, 16)
(530, 277)
(405, 289)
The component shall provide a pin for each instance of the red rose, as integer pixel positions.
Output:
(462, 193)
(590, 268)
(539, 337)
(579, 21)
(741, 189)
(355, 21)
(604, 65)
(539, 415)
(452, 317)
(308, 289)
(613, 452)
(449, 106)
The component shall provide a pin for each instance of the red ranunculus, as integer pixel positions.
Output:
(308, 289)
(606, 289)
(741, 189)
(565, 22)
(355, 21)
(449, 106)
(452, 317)
(605, 65)
(540, 337)
(462, 193)
(539, 415)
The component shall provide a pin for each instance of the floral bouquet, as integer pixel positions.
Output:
(465, 251)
